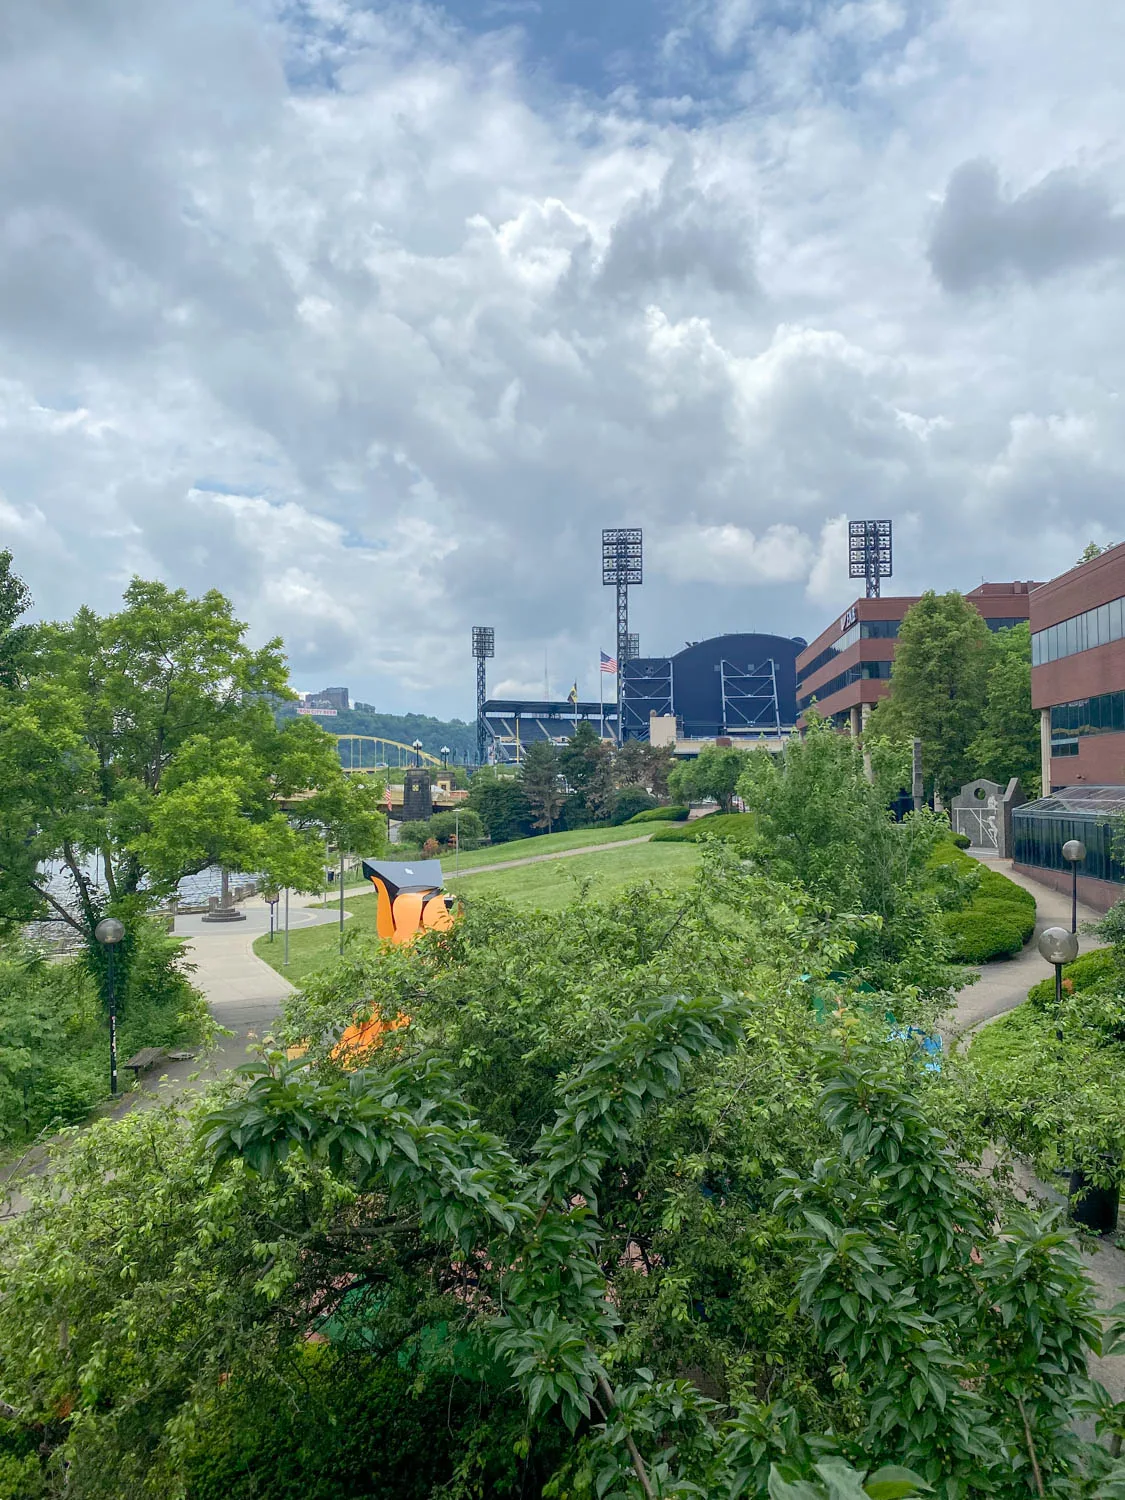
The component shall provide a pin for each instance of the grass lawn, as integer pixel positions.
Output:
(546, 843)
(543, 887)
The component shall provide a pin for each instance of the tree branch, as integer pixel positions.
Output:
(62, 911)
(634, 1452)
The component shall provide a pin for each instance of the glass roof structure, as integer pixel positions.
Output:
(1089, 813)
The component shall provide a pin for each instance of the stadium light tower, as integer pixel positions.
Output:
(484, 648)
(869, 553)
(621, 566)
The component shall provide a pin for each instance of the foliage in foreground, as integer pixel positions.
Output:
(613, 1180)
(54, 1044)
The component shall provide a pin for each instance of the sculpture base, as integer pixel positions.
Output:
(225, 914)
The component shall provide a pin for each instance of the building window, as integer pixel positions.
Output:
(1103, 714)
(1005, 624)
(863, 671)
(863, 630)
(1096, 627)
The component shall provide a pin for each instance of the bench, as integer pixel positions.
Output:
(141, 1061)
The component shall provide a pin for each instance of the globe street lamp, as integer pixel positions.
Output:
(1074, 852)
(417, 752)
(445, 754)
(109, 933)
(1058, 947)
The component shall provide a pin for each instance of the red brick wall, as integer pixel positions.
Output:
(1100, 762)
(1100, 894)
(1082, 588)
(1083, 675)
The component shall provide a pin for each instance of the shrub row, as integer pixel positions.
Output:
(1086, 972)
(735, 827)
(998, 920)
(662, 815)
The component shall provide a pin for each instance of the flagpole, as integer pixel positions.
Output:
(601, 700)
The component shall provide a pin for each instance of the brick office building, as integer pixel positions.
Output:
(847, 668)
(1078, 673)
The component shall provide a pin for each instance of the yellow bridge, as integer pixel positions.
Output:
(386, 753)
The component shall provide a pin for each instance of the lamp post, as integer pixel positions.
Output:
(445, 754)
(417, 747)
(109, 933)
(1074, 852)
(1058, 947)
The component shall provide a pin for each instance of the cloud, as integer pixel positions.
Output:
(732, 555)
(362, 316)
(678, 233)
(981, 236)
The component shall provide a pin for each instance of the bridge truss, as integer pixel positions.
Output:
(363, 753)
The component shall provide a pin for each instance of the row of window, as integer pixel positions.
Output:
(1097, 627)
(874, 630)
(862, 670)
(1102, 714)
(862, 630)
(1038, 839)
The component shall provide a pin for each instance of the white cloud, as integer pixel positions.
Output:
(349, 314)
(732, 555)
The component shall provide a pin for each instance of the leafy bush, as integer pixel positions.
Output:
(464, 824)
(54, 1049)
(985, 931)
(632, 801)
(736, 828)
(376, 1428)
(962, 840)
(997, 910)
(662, 815)
(1088, 971)
(996, 887)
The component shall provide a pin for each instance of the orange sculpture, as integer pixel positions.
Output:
(410, 898)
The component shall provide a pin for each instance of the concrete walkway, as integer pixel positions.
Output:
(1004, 984)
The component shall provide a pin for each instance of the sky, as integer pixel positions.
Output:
(372, 315)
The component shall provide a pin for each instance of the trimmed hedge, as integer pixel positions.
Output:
(962, 840)
(662, 815)
(996, 887)
(738, 828)
(996, 923)
(1087, 971)
(977, 936)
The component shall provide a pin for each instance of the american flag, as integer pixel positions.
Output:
(609, 663)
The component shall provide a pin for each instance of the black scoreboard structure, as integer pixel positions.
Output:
(737, 686)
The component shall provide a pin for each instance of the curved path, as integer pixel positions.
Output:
(1004, 985)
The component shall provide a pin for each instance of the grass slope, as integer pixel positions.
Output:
(546, 843)
(543, 887)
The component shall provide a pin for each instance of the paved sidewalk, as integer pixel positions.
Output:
(1004, 984)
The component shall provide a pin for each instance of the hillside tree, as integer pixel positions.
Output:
(144, 749)
(542, 784)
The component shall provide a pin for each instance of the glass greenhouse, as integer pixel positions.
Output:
(1040, 829)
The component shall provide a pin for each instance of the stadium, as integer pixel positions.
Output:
(736, 687)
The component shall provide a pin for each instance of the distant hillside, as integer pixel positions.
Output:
(406, 728)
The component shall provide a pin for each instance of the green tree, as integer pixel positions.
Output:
(144, 740)
(939, 687)
(694, 1245)
(587, 764)
(713, 773)
(820, 823)
(498, 799)
(638, 764)
(1008, 742)
(1089, 552)
(15, 600)
(542, 784)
